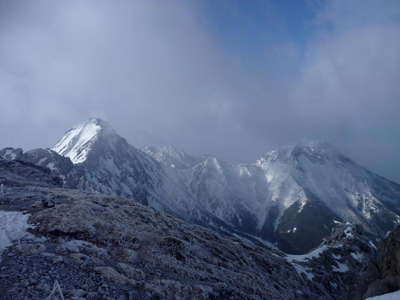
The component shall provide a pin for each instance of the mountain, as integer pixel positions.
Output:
(106, 163)
(172, 156)
(296, 195)
(381, 277)
(337, 263)
(293, 197)
(313, 185)
(94, 246)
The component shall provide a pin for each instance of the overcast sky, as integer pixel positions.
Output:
(233, 78)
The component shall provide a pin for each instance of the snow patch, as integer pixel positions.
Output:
(389, 296)
(302, 270)
(305, 257)
(357, 256)
(341, 268)
(13, 226)
(76, 143)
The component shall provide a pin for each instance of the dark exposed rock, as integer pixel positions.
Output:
(383, 272)
(19, 173)
(337, 261)
(49, 159)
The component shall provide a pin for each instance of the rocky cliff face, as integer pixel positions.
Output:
(336, 263)
(382, 275)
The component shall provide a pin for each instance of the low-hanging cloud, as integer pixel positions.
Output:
(157, 71)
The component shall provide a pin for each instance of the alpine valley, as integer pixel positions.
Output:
(311, 209)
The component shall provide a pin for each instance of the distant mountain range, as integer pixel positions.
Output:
(293, 197)
(95, 246)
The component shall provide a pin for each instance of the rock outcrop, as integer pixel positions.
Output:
(383, 273)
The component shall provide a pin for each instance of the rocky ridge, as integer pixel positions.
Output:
(291, 197)
(100, 247)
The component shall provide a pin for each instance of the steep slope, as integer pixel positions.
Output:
(292, 197)
(98, 246)
(77, 143)
(104, 162)
(320, 185)
(382, 275)
(338, 261)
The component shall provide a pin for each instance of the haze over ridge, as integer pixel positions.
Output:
(231, 78)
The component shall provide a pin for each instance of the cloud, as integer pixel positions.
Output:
(164, 72)
(142, 62)
(348, 91)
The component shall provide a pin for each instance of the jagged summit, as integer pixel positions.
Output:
(78, 141)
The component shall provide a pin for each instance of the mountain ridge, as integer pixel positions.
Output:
(291, 196)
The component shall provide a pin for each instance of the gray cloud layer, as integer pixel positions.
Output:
(157, 72)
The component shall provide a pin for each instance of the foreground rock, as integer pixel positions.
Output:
(383, 273)
(92, 242)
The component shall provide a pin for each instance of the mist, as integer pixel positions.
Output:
(232, 78)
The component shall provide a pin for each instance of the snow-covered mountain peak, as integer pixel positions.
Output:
(78, 141)
(291, 196)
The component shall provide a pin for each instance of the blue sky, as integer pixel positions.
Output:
(248, 29)
(253, 25)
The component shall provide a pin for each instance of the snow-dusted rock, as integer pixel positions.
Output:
(291, 197)
(383, 273)
(101, 242)
(11, 153)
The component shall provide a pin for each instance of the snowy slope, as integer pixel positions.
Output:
(104, 162)
(316, 173)
(78, 141)
(389, 296)
(291, 196)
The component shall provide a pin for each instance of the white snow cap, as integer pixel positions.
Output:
(77, 142)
